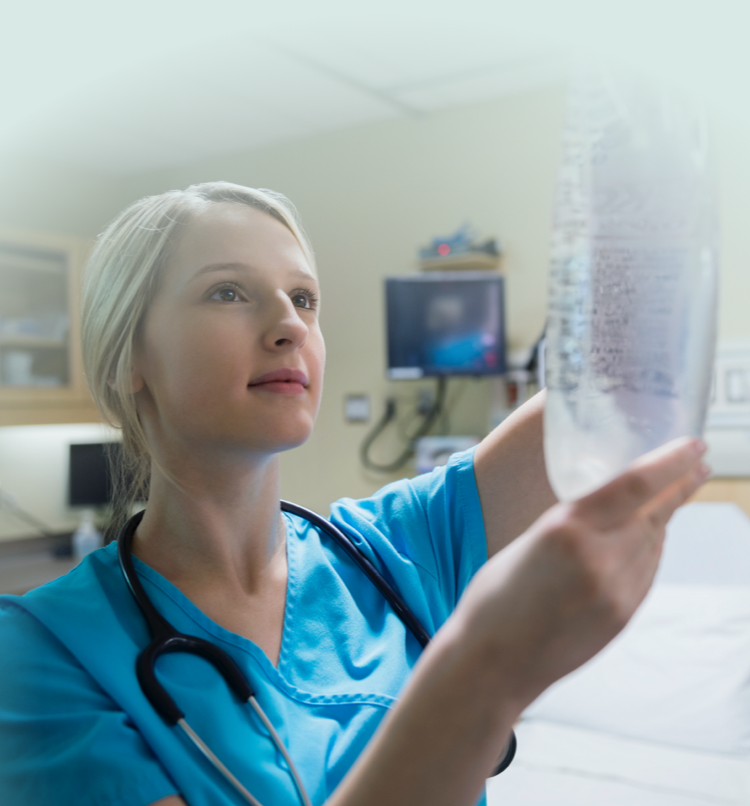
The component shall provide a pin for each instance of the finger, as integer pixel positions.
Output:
(658, 511)
(618, 500)
(648, 529)
(652, 524)
(646, 534)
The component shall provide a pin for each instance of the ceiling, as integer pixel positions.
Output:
(118, 87)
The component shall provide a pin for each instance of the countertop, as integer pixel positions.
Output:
(31, 562)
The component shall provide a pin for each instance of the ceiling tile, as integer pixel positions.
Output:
(90, 82)
(384, 51)
(517, 76)
(233, 98)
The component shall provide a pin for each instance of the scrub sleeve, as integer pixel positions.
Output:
(76, 728)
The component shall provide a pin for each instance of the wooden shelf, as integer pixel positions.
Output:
(51, 263)
(468, 261)
(31, 342)
(49, 413)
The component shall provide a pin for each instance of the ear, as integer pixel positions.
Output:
(136, 381)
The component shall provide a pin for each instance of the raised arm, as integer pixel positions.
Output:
(536, 611)
(511, 477)
(533, 613)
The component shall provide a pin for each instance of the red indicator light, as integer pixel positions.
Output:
(443, 249)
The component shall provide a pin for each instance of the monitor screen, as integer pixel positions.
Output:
(89, 481)
(445, 323)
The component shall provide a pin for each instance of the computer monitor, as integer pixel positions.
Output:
(89, 479)
(445, 323)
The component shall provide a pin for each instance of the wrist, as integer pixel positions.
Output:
(497, 644)
(478, 666)
(451, 722)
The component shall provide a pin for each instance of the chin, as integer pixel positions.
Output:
(292, 445)
(283, 439)
(283, 444)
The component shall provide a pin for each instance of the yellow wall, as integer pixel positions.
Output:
(731, 141)
(369, 198)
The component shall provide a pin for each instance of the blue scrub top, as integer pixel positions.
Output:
(76, 728)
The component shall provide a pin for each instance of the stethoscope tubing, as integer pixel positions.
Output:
(402, 610)
(166, 639)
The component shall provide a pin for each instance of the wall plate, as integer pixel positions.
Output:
(730, 394)
(357, 408)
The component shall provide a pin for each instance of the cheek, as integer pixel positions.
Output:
(318, 357)
(192, 364)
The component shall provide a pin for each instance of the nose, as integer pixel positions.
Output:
(286, 328)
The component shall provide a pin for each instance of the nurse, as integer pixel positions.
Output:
(201, 341)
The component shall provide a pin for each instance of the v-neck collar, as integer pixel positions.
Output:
(190, 609)
(280, 677)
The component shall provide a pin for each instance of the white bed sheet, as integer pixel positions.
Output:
(594, 749)
(558, 765)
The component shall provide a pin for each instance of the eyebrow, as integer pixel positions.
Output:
(214, 267)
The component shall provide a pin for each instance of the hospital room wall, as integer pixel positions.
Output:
(731, 132)
(370, 197)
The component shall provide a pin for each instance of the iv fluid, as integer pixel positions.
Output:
(632, 306)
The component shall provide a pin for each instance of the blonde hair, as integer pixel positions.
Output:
(121, 279)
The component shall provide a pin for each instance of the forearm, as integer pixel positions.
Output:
(445, 736)
(535, 612)
(511, 475)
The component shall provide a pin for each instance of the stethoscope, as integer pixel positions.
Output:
(165, 639)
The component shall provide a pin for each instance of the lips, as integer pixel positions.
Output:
(281, 381)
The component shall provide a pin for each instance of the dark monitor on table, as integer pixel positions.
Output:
(445, 323)
(89, 479)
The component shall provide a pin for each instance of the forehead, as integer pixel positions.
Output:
(228, 233)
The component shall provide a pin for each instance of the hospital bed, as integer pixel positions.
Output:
(661, 717)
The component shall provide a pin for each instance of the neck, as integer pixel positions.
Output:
(212, 521)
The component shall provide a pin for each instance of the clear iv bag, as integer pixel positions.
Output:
(632, 302)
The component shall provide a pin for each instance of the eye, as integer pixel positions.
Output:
(226, 293)
(304, 298)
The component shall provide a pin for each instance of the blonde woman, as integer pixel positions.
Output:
(202, 342)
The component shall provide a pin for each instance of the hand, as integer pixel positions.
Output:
(560, 592)
(539, 608)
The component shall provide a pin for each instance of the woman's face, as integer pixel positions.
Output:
(230, 355)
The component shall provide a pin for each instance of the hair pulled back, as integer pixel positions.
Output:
(121, 278)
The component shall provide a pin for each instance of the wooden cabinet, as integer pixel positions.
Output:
(41, 372)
